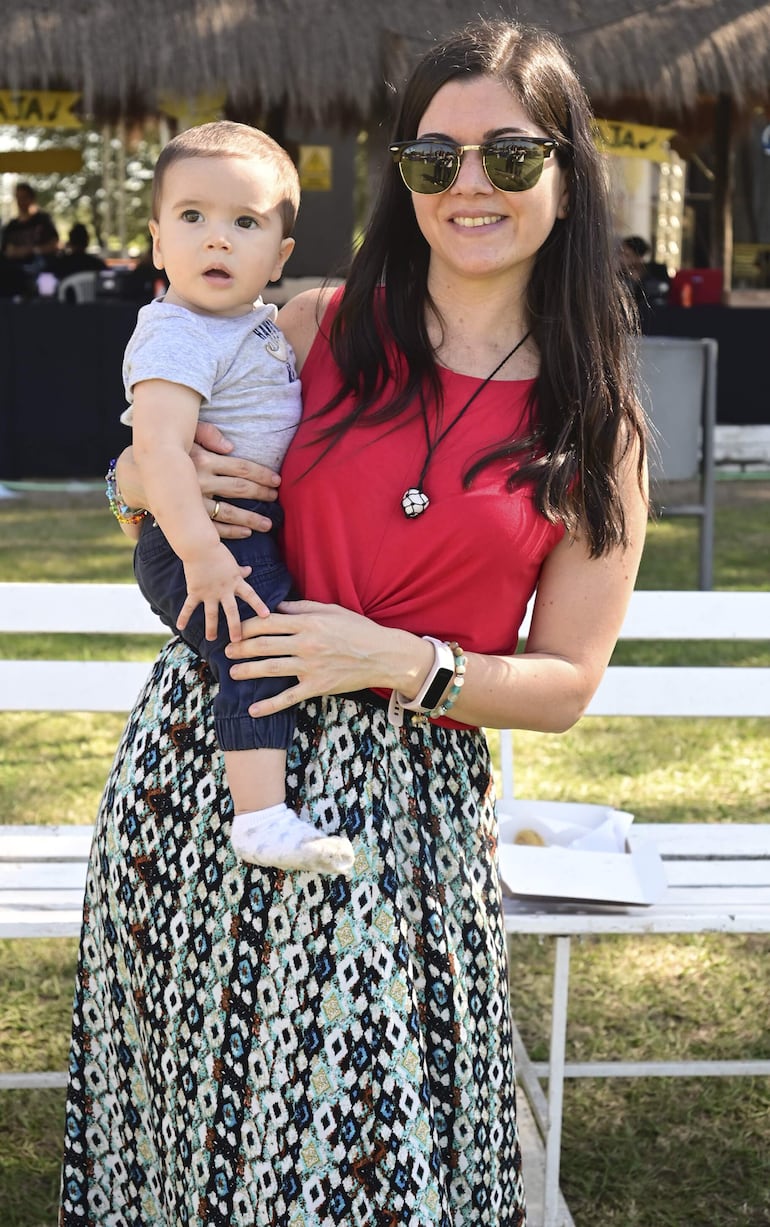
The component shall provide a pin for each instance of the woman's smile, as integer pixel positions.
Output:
(486, 219)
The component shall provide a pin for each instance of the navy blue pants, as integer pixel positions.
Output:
(161, 578)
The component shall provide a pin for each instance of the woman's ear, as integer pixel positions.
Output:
(564, 188)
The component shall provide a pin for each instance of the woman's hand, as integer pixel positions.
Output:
(223, 477)
(330, 650)
(220, 476)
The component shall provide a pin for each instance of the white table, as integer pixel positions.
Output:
(718, 882)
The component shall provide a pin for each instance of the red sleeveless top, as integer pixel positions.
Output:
(465, 569)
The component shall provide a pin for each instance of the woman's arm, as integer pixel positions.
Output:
(300, 318)
(580, 606)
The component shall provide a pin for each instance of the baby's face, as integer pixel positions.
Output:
(219, 234)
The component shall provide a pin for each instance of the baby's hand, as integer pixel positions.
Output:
(215, 579)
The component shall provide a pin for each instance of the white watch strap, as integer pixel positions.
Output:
(443, 658)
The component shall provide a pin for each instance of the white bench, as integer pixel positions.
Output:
(73, 685)
(43, 868)
(718, 874)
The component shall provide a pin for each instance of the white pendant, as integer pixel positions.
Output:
(414, 502)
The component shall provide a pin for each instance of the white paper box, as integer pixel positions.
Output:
(633, 876)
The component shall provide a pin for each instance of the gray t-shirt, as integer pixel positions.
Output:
(242, 367)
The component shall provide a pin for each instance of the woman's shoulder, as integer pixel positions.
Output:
(300, 318)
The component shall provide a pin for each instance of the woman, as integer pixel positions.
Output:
(258, 1047)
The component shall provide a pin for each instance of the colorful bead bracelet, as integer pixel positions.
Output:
(121, 511)
(453, 693)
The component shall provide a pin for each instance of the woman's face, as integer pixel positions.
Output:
(473, 229)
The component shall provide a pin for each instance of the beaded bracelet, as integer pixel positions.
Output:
(454, 690)
(122, 513)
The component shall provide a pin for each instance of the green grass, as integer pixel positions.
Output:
(637, 1152)
(61, 539)
(54, 767)
(31, 1130)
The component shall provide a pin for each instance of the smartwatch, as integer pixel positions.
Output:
(440, 677)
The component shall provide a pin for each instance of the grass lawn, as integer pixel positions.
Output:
(637, 1152)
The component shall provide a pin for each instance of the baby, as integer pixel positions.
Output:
(225, 197)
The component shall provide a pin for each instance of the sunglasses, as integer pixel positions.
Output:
(511, 163)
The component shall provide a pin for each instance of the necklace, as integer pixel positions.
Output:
(414, 500)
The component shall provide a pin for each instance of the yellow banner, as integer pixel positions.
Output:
(191, 112)
(39, 108)
(633, 140)
(41, 162)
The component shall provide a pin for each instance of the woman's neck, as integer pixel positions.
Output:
(475, 325)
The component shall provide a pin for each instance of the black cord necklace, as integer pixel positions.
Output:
(414, 500)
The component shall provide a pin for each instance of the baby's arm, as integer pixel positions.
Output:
(164, 421)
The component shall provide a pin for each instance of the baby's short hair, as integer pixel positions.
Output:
(226, 139)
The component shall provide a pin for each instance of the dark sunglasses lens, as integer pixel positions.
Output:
(428, 168)
(514, 167)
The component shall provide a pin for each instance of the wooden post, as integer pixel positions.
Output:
(721, 255)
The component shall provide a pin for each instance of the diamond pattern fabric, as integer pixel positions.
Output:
(273, 1049)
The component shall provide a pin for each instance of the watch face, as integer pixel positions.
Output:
(437, 687)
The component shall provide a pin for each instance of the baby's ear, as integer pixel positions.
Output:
(157, 255)
(284, 251)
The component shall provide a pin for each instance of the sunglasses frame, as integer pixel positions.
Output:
(543, 144)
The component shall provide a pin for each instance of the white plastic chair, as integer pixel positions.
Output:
(78, 287)
(677, 386)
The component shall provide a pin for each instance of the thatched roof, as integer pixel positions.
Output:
(333, 59)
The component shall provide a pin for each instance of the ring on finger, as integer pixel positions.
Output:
(215, 512)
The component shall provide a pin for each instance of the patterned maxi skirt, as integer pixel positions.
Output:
(269, 1049)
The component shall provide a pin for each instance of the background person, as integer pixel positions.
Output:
(14, 282)
(144, 281)
(31, 237)
(76, 258)
(263, 1047)
(647, 280)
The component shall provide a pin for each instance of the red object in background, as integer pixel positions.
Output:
(696, 287)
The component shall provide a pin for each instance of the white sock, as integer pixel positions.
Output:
(277, 837)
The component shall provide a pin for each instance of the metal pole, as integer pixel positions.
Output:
(556, 1082)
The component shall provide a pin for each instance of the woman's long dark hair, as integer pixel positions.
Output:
(587, 411)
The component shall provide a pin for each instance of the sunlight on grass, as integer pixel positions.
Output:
(644, 1000)
(659, 770)
(742, 533)
(80, 647)
(38, 984)
(76, 541)
(54, 766)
